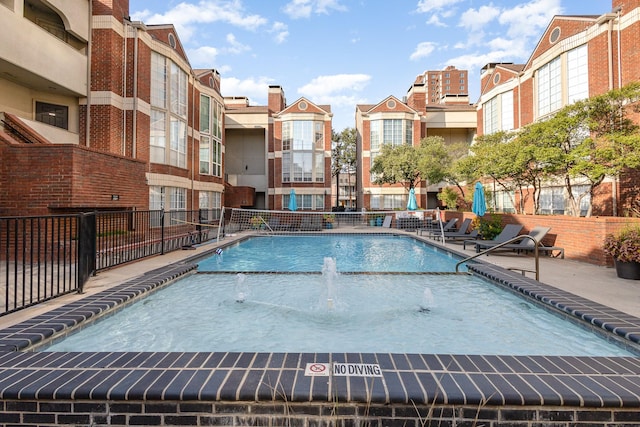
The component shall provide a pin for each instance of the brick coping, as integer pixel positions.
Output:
(588, 382)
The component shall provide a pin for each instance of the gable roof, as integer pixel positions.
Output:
(567, 25)
(311, 107)
(386, 106)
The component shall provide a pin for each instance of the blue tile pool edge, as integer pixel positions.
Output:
(597, 382)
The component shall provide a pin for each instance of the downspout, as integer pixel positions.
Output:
(134, 118)
(614, 187)
(193, 143)
(87, 129)
(619, 50)
(610, 56)
(519, 100)
(124, 88)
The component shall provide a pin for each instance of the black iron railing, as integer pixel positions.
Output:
(48, 256)
(39, 259)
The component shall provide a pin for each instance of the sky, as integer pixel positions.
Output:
(348, 52)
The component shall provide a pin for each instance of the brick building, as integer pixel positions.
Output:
(102, 113)
(577, 57)
(396, 122)
(273, 149)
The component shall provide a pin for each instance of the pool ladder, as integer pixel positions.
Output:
(536, 255)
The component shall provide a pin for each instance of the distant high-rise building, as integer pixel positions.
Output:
(445, 86)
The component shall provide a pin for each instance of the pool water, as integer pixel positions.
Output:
(352, 252)
(331, 296)
(333, 312)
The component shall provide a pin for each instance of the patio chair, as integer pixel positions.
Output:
(435, 229)
(311, 223)
(474, 234)
(462, 231)
(527, 245)
(508, 232)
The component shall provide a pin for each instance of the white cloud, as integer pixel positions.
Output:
(281, 31)
(203, 57)
(426, 6)
(339, 90)
(474, 20)
(435, 20)
(185, 16)
(477, 61)
(528, 19)
(235, 46)
(423, 50)
(256, 89)
(305, 8)
(323, 85)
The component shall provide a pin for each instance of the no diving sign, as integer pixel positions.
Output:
(343, 370)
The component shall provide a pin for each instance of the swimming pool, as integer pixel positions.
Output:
(333, 312)
(278, 388)
(352, 252)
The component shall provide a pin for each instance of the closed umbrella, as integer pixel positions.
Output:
(412, 205)
(479, 206)
(293, 205)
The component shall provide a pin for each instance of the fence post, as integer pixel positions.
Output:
(162, 231)
(86, 248)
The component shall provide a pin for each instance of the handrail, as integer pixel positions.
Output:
(517, 238)
(441, 225)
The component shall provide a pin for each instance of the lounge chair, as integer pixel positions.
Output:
(311, 223)
(461, 232)
(526, 244)
(508, 232)
(464, 228)
(435, 229)
(474, 234)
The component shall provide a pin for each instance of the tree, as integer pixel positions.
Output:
(397, 164)
(500, 156)
(590, 139)
(343, 157)
(409, 165)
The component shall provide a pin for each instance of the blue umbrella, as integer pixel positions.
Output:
(479, 206)
(293, 205)
(412, 205)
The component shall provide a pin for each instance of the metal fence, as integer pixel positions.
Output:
(127, 236)
(48, 256)
(39, 259)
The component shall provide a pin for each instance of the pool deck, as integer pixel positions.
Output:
(606, 389)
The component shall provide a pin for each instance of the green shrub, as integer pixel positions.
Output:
(488, 226)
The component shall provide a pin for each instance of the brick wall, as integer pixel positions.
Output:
(43, 179)
(580, 237)
(203, 413)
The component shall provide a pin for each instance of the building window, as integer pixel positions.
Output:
(490, 116)
(306, 202)
(210, 136)
(552, 201)
(549, 87)
(577, 74)
(210, 203)
(388, 201)
(555, 35)
(390, 131)
(168, 112)
(506, 107)
(51, 114)
(502, 201)
(302, 151)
